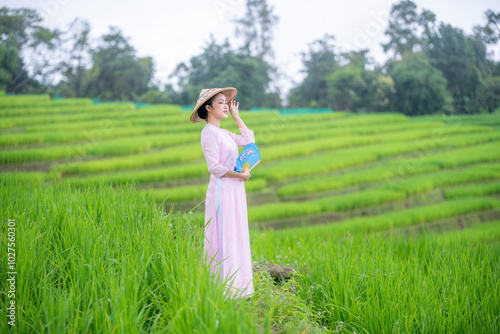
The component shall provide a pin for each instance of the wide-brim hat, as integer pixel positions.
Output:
(206, 94)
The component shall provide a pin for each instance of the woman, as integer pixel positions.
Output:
(227, 242)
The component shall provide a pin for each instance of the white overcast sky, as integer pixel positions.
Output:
(173, 31)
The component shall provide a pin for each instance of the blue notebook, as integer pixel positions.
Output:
(248, 158)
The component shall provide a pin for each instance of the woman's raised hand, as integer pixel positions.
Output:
(233, 108)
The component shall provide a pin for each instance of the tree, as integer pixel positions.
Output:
(117, 73)
(20, 31)
(420, 87)
(319, 63)
(488, 95)
(463, 62)
(155, 95)
(43, 55)
(219, 66)
(461, 59)
(407, 28)
(353, 87)
(347, 87)
(490, 32)
(256, 28)
(78, 59)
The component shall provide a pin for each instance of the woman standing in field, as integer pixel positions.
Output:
(227, 242)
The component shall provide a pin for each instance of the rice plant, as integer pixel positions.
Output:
(107, 260)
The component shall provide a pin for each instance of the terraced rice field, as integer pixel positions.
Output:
(317, 168)
(428, 185)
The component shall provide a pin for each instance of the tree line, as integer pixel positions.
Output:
(432, 67)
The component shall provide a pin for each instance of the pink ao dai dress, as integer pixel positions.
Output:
(227, 242)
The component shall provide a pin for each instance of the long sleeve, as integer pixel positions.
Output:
(245, 138)
(211, 152)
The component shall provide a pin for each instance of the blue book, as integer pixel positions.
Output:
(248, 158)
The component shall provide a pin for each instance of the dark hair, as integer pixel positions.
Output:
(202, 110)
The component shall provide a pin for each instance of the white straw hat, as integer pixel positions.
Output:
(206, 94)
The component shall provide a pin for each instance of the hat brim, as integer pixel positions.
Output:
(229, 92)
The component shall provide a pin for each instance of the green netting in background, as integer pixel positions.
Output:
(262, 109)
(281, 111)
(304, 111)
(136, 104)
(44, 100)
(141, 104)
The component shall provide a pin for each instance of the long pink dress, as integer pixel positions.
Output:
(227, 242)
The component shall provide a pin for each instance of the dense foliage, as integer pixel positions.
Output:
(458, 74)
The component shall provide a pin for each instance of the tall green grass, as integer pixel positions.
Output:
(391, 284)
(103, 260)
(98, 260)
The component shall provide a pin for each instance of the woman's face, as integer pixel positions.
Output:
(219, 108)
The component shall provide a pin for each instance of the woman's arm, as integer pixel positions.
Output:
(239, 122)
(247, 135)
(244, 176)
(233, 109)
(210, 146)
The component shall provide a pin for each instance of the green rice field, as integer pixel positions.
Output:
(391, 222)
